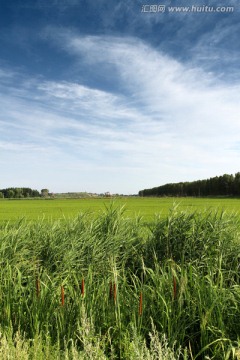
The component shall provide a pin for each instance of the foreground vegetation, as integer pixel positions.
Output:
(114, 287)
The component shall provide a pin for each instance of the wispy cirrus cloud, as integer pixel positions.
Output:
(187, 100)
(162, 119)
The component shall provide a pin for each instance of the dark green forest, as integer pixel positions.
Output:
(225, 185)
(14, 192)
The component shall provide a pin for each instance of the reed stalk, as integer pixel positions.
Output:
(62, 295)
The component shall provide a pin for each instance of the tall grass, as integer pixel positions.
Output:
(117, 288)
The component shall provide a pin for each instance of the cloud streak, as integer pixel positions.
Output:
(164, 118)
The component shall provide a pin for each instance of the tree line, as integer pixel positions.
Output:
(225, 185)
(25, 192)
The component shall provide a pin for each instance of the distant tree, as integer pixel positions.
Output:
(27, 192)
(1, 195)
(10, 193)
(236, 184)
(44, 192)
(35, 193)
(18, 193)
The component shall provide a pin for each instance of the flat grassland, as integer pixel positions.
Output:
(52, 209)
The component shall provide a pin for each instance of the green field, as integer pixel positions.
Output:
(145, 207)
(111, 285)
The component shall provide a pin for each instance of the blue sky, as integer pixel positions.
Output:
(99, 96)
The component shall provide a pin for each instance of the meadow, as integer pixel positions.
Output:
(146, 207)
(92, 279)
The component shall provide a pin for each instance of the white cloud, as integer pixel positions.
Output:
(162, 85)
(169, 121)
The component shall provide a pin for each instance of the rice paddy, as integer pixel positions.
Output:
(145, 207)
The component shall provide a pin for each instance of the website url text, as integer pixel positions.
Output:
(186, 9)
